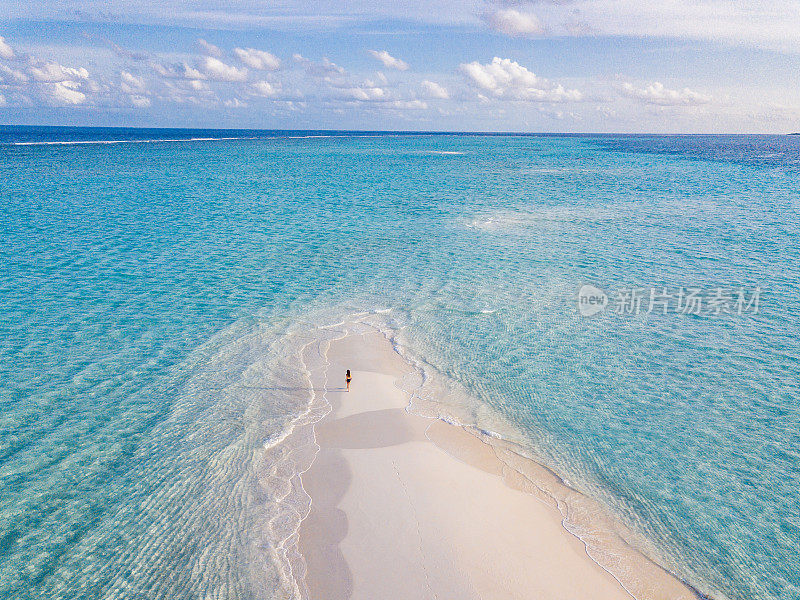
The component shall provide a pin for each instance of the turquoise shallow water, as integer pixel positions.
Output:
(152, 295)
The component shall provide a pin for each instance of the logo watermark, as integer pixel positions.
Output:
(591, 300)
(662, 300)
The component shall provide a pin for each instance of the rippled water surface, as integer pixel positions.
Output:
(155, 298)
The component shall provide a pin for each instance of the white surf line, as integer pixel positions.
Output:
(558, 505)
(195, 139)
(326, 368)
(281, 544)
(147, 141)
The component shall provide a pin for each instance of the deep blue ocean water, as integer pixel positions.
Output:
(150, 293)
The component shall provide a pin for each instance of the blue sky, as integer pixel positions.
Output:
(502, 65)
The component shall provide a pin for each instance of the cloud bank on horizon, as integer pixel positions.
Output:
(542, 65)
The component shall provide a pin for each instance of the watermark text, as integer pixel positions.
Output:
(663, 300)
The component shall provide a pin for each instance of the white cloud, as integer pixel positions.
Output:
(333, 84)
(507, 79)
(186, 92)
(217, 70)
(63, 92)
(2, 100)
(410, 104)
(773, 24)
(6, 51)
(366, 94)
(389, 61)
(140, 101)
(766, 24)
(178, 71)
(606, 111)
(656, 93)
(208, 49)
(514, 23)
(435, 90)
(258, 59)
(52, 72)
(234, 103)
(325, 68)
(131, 84)
(13, 74)
(265, 89)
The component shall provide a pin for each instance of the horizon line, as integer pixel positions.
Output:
(388, 131)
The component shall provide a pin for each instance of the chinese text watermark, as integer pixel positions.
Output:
(662, 300)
